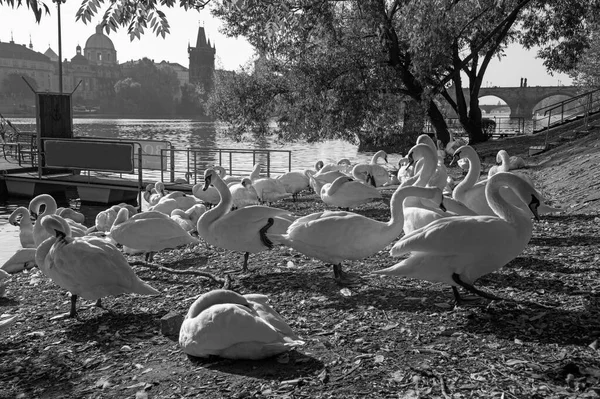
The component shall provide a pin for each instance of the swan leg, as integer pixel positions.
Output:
(472, 289)
(340, 276)
(263, 233)
(459, 300)
(73, 306)
(245, 265)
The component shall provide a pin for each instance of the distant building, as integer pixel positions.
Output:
(202, 62)
(23, 60)
(183, 74)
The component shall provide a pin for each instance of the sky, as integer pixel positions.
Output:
(232, 53)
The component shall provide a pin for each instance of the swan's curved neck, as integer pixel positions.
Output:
(224, 205)
(397, 203)
(335, 186)
(376, 156)
(215, 298)
(255, 172)
(504, 158)
(502, 207)
(429, 164)
(48, 202)
(471, 177)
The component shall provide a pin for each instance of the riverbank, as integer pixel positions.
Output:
(384, 337)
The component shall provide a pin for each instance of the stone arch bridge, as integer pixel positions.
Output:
(523, 100)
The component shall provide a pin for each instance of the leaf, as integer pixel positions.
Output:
(512, 362)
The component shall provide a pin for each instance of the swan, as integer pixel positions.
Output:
(228, 179)
(346, 192)
(153, 193)
(268, 190)
(458, 250)
(89, 267)
(243, 193)
(472, 193)
(343, 165)
(49, 203)
(149, 231)
(209, 196)
(25, 226)
(229, 325)
(294, 182)
(72, 214)
(234, 326)
(105, 219)
(378, 173)
(440, 175)
(505, 163)
(23, 258)
(316, 180)
(334, 236)
(187, 219)
(243, 229)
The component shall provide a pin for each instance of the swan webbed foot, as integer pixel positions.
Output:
(465, 301)
(263, 233)
(341, 277)
(470, 288)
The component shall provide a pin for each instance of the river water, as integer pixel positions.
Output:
(181, 133)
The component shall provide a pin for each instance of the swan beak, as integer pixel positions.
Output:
(442, 206)
(206, 183)
(15, 223)
(411, 160)
(60, 234)
(34, 215)
(385, 159)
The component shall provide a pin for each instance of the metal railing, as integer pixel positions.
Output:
(504, 126)
(190, 163)
(577, 107)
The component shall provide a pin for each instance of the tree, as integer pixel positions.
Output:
(151, 89)
(14, 85)
(586, 73)
(191, 100)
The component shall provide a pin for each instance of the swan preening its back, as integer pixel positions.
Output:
(233, 326)
(89, 267)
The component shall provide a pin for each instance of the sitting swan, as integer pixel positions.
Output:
(472, 193)
(89, 267)
(378, 174)
(149, 232)
(504, 163)
(47, 201)
(243, 229)
(25, 226)
(336, 236)
(440, 175)
(243, 193)
(233, 326)
(268, 189)
(346, 192)
(458, 250)
(189, 218)
(294, 182)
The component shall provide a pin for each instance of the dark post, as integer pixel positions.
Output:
(521, 85)
(60, 75)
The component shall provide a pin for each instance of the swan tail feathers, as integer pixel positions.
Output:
(407, 267)
(143, 288)
(544, 209)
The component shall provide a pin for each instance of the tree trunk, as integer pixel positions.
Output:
(439, 123)
(472, 122)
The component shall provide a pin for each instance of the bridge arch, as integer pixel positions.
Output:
(523, 100)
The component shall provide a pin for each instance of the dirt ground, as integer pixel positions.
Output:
(382, 338)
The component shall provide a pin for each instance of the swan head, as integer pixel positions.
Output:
(501, 157)
(427, 140)
(461, 152)
(319, 165)
(14, 217)
(56, 225)
(209, 176)
(160, 188)
(246, 182)
(344, 161)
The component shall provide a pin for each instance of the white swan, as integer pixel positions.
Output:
(149, 232)
(233, 326)
(505, 163)
(268, 189)
(23, 258)
(89, 267)
(69, 213)
(294, 182)
(209, 196)
(4, 276)
(243, 193)
(228, 179)
(346, 192)
(472, 193)
(458, 250)
(243, 229)
(440, 175)
(336, 236)
(379, 175)
(25, 226)
(317, 180)
(189, 218)
(49, 203)
(153, 193)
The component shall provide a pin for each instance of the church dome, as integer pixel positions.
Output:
(99, 40)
